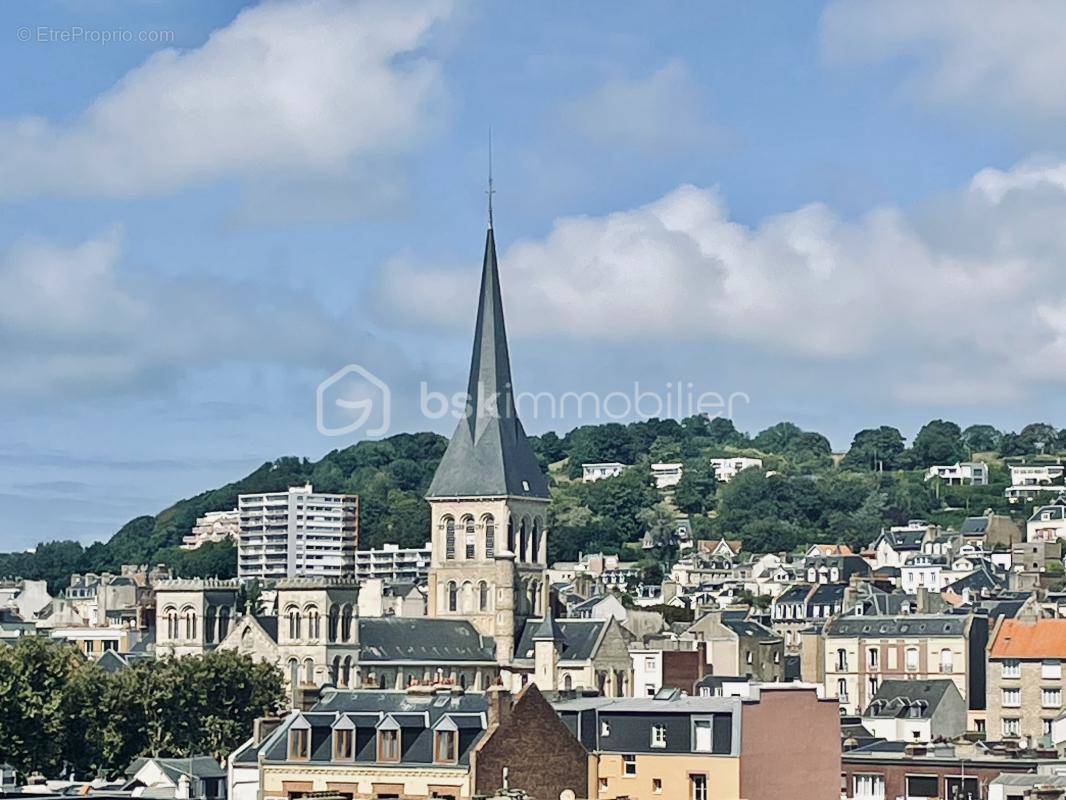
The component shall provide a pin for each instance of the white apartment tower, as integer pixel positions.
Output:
(297, 534)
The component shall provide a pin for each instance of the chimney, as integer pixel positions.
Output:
(499, 700)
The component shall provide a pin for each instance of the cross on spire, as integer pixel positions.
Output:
(490, 191)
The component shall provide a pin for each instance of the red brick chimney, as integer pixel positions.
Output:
(500, 701)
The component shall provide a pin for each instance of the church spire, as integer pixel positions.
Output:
(489, 454)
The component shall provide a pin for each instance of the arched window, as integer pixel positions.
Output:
(223, 622)
(468, 597)
(490, 535)
(210, 615)
(470, 539)
(309, 671)
(449, 537)
(293, 614)
(171, 615)
(346, 622)
(346, 672)
(535, 555)
(314, 624)
(483, 596)
(190, 622)
(335, 671)
(947, 660)
(294, 671)
(568, 682)
(523, 540)
(510, 534)
(334, 622)
(453, 596)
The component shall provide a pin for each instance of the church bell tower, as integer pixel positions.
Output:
(489, 497)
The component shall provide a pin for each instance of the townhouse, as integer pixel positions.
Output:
(1025, 677)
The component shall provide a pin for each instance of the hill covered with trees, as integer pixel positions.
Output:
(805, 494)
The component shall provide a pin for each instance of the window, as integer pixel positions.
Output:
(603, 785)
(490, 536)
(444, 749)
(1051, 698)
(299, 744)
(1011, 698)
(658, 735)
(629, 765)
(961, 788)
(871, 685)
(483, 596)
(702, 738)
(1051, 670)
(1011, 727)
(923, 786)
(605, 728)
(698, 786)
(453, 596)
(911, 659)
(471, 539)
(869, 787)
(947, 660)
(389, 745)
(873, 658)
(1011, 668)
(449, 538)
(1045, 727)
(342, 744)
(657, 785)
(842, 690)
(842, 660)
(294, 623)
(649, 662)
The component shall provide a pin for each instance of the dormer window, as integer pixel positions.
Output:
(300, 740)
(389, 741)
(343, 739)
(446, 742)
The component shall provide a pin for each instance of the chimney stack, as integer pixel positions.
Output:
(499, 700)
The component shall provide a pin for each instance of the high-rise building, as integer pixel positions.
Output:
(297, 533)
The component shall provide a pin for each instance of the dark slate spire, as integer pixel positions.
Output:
(489, 455)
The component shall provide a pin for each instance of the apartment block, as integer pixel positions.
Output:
(394, 564)
(1025, 677)
(297, 533)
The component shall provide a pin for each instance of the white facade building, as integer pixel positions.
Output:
(725, 469)
(214, 526)
(1047, 523)
(666, 475)
(597, 472)
(969, 473)
(392, 563)
(1028, 480)
(647, 672)
(297, 533)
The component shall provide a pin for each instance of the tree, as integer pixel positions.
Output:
(209, 560)
(1034, 438)
(875, 448)
(723, 433)
(938, 442)
(981, 438)
(694, 492)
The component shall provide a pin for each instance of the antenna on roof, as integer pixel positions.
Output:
(490, 191)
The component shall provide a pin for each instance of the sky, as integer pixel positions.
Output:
(232, 232)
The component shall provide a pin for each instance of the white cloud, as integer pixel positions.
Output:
(983, 54)
(303, 86)
(664, 110)
(965, 287)
(79, 319)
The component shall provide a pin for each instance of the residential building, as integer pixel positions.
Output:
(666, 475)
(427, 742)
(816, 550)
(195, 778)
(567, 654)
(214, 526)
(800, 605)
(297, 534)
(990, 531)
(1029, 480)
(1025, 677)
(835, 568)
(739, 646)
(658, 669)
(958, 771)
(725, 469)
(1048, 522)
(1039, 786)
(1035, 555)
(916, 711)
(967, 473)
(27, 598)
(931, 573)
(896, 545)
(726, 748)
(863, 651)
(392, 564)
(597, 472)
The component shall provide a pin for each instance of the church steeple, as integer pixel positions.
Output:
(489, 455)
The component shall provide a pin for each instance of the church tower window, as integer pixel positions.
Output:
(449, 538)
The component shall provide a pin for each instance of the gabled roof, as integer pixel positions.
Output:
(489, 455)
(422, 639)
(1041, 638)
(581, 637)
(907, 698)
(111, 662)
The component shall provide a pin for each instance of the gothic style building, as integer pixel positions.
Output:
(489, 498)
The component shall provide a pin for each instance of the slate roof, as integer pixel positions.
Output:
(489, 455)
(111, 662)
(415, 714)
(976, 581)
(910, 625)
(828, 593)
(905, 540)
(422, 639)
(174, 768)
(579, 638)
(907, 698)
(794, 594)
(749, 629)
(974, 525)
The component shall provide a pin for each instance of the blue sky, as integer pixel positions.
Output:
(849, 213)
